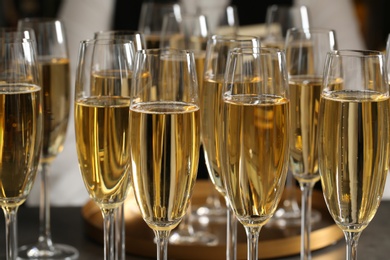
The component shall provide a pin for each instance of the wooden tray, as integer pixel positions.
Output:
(274, 241)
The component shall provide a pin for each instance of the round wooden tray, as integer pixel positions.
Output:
(274, 241)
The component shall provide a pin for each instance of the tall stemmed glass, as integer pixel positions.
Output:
(102, 100)
(280, 18)
(21, 127)
(138, 40)
(53, 61)
(190, 32)
(255, 136)
(151, 20)
(306, 50)
(353, 140)
(165, 138)
(218, 47)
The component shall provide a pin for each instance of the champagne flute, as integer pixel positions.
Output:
(353, 140)
(189, 31)
(165, 138)
(53, 61)
(255, 136)
(22, 128)
(102, 100)
(223, 20)
(151, 20)
(139, 43)
(218, 47)
(306, 50)
(280, 18)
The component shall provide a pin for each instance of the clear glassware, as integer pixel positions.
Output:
(102, 100)
(165, 138)
(255, 126)
(188, 31)
(139, 43)
(223, 20)
(280, 18)
(22, 130)
(151, 20)
(353, 140)
(53, 61)
(217, 50)
(306, 50)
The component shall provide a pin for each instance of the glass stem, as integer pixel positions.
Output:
(231, 233)
(120, 233)
(44, 211)
(290, 202)
(252, 234)
(162, 237)
(352, 239)
(109, 227)
(11, 232)
(307, 190)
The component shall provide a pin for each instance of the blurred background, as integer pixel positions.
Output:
(374, 22)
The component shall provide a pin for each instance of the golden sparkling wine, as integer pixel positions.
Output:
(211, 101)
(305, 94)
(354, 155)
(256, 132)
(55, 78)
(164, 152)
(20, 142)
(102, 125)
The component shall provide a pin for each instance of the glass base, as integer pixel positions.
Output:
(206, 215)
(54, 252)
(189, 238)
(292, 218)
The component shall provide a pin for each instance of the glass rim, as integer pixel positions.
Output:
(40, 20)
(310, 30)
(233, 37)
(355, 53)
(112, 41)
(119, 32)
(261, 50)
(159, 51)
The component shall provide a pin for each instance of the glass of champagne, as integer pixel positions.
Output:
(217, 50)
(353, 140)
(138, 40)
(254, 132)
(53, 61)
(280, 18)
(190, 32)
(165, 138)
(22, 129)
(306, 51)
(151, 20)
(102, 100)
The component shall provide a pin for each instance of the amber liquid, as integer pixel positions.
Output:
(55, 77)
(102, 125)
(354, 155)
(211, 101)
(164, 152)
(20, 141)
(254, 152)
(305, 100)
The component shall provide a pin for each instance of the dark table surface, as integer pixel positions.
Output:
(68, 228)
